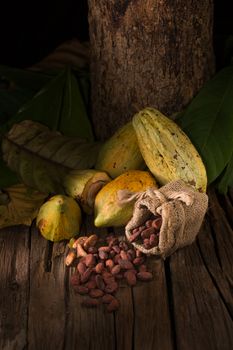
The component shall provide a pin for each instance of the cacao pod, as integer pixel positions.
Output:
(83, 185)
(120, 153)
(167, 150)
(108, 212)
(59, 218)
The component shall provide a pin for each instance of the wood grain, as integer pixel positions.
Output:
(47, 304)
(152, 323)
(201, 318)
(14, 287)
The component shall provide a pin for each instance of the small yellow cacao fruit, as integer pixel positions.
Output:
(167, 150)
(83, 185)
(120, 153)
(59, 218)
(108, 212)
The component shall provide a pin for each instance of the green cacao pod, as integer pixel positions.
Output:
(59, 218)
(120, 153)
(108, 212)
(167, 150)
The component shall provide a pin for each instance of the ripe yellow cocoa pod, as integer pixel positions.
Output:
(83, 185)
(167, 150)
(120, 153)
(108, 211)
(59, 218)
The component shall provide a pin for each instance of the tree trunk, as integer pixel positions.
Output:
(147, 53)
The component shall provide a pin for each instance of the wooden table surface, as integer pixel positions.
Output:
(187, 306)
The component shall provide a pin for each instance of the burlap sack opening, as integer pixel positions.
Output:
(181, 207)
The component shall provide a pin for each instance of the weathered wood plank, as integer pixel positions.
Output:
(201, 318)
(14, 272)
(210, 258)
(88, 328)
(152, 323)
(47, 304)
(223, 236)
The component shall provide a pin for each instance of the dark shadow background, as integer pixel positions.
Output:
(29, 31)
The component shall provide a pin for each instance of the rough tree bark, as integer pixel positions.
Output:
(147, 53)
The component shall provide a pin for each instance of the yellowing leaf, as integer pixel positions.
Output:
(23, 206)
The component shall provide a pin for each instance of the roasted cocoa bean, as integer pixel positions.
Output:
(92, 250)
(96, 293)
(90, 260)
(113, 306)
(148, 223)
(91, 284)
(157, 223)
(123, 255)
(100, 282)
(109, 264)
(75, 279)
(147, 232)
(138, 261)
(81, 290)
(90, 242)
(144, 276)
(104, 249)
(115, 270)
(111, 287)
(139, 253)
(142, 268)
(99, 267)
(116, 258)
(154, 240)
(72, 255)
(116, 249)
(125, 264)
(130, 278)
(86, 275)
(81, 267)
(103, 255)
(107, 298)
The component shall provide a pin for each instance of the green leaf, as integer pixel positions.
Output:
(58, 105)
(25, 78)
(208, 121)
(226, 180)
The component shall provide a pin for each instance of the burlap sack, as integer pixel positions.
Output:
(181, 207)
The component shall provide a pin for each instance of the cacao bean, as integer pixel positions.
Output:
(90, 260)
(123, 255)
(91, 302)
(125, 264)
(91, 284)
(75, 279)
(157, 223)
(104, 249)
(103, 255)
(99, 267)
(81, 290)
(113, 305)
(138, 261)
(86, 275)
(107, 298)
(90, 242)
(70, 258)
(116, 269)
(109, 263)
(81, 267)
(100, 282)
(147, 232)
(111, 287)
(130, 278)
(144, 276)
(96, 293)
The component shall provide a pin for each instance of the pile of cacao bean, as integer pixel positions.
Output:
(148, 233)
(100, 265)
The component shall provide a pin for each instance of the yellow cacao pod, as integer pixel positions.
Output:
(59, 218)
(83, 185)
(120, 153)
(108, 212)
(167, 150)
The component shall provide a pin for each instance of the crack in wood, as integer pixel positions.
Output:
(48, 257)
